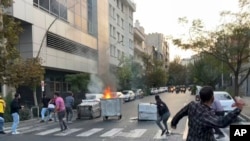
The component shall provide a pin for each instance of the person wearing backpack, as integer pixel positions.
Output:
(163, 114)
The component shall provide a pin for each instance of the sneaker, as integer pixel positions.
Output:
(163, 131)
(15, 133)
(42, 121)
(50, 119)
(167, 133)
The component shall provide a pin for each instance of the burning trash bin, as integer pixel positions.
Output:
(110, 105)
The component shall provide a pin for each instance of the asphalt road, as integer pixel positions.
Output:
(126, 129)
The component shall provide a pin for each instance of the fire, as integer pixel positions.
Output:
(107, 93)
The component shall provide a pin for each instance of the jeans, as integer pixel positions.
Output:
(69, 113)
(1, 123)
(62, 123)
(164, 119)
(15, 117)
(43, 112)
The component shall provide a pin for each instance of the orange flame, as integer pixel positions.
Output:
(107, 93)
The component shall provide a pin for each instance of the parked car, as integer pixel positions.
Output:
(225, 99)
(95, 97)
(128, 95)
(139, 93)
(118, 94)
(154, 91)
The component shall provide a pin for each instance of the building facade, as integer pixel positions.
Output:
(70, 36)
(158, 47)
(139, 43)
(121, 35)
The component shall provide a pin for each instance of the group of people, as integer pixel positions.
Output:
(57, 105)
(14, 111)
(205, 116)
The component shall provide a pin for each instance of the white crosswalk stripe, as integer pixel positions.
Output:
(49, 131)
(136, 133)
(22, 128)
(90, 132)
(112, 132)
(159, 136)
(68, 132)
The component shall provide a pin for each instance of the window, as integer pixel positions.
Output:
(122, 6)
(114, 31)
(122, 21)
(122, 40)
(57, 86)
(118, 19)
(118, 36)
(118, 53)
(110, 30)
(118, 3)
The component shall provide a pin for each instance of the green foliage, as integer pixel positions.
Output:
(155, 74)
(78, 82)
(24, 114)
(229, 43)
(177, 73)
(7, 115)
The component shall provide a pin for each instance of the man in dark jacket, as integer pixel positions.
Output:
(163, 113)
(202, 118)
(14, 110)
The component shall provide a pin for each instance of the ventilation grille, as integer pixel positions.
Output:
(60, 43)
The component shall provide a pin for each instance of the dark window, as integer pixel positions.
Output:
(44, 4)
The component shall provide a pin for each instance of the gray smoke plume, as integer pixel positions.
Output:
(95, 85)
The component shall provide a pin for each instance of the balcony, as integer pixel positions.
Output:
(139, 35)
(138, 48)
(130, 3)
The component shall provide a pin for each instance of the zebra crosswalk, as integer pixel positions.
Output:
(96, 132)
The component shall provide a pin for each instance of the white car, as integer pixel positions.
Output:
(128, 95)
(94, 97)
(225, 99)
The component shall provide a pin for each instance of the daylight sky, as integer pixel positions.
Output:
(162, 16)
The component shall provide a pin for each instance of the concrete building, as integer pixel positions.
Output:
(139, 43)
(121, 35)
(70, 36)
(158, 47)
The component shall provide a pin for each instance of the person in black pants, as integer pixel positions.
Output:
(163, 114)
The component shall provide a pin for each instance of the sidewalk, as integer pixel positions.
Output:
(246, 110)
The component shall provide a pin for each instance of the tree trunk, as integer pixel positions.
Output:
(236, 85)
(35, 96)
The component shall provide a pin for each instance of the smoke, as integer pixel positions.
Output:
(95, 85)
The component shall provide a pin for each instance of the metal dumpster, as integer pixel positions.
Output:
(88, 109)
(111, 107)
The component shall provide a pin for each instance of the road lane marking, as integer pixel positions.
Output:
(89, 132)
(133, 133)
(69, 131)
(19, 129)
(33, 129)
(49, 131)
(158, 135)
(112, 132)
(184, 137)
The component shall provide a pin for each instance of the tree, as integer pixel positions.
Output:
(10, 30)
(177, 72)
(124, 74)
(78, 82)
(205, 70)
(229, 43)
(155, 75)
